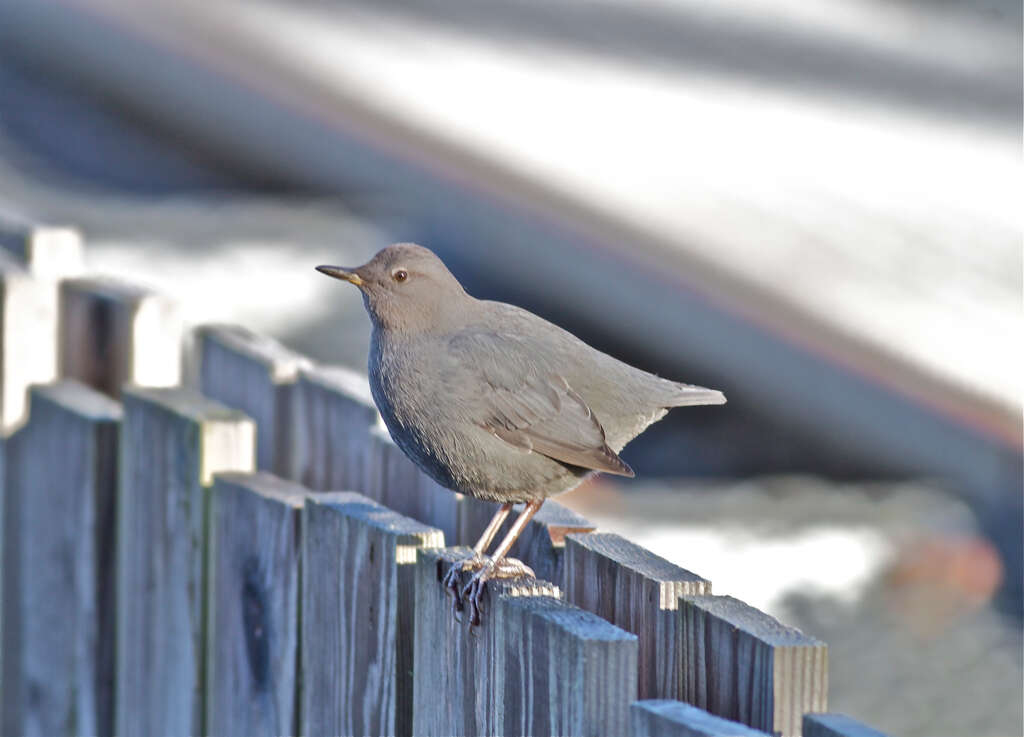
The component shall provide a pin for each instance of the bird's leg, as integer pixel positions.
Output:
(451, 579)
(498, 566)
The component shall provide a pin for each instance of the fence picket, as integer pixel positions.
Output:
(639, 591)
(253, 613)
(333, 414)
(256, 375)
(58, 589)
(358, 612)
(112, 334)
(742, 664)
(172, 443)
(28, 331)
(534, 666)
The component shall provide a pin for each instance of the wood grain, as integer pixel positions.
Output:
(252, 629)
(836, 725)
(742, 664)
(333, 415)
(534, 666)
(173, 441)
(666, 718)
(256, 375)
(60, 484)
(456, 665)
(638, 591)
(112, 334)
(357, 615)
(566, 671)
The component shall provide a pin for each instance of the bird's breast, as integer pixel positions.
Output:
(405, 385)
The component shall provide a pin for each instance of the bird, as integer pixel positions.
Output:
(495, 402)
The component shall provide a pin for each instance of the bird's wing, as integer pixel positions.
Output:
(533, 409)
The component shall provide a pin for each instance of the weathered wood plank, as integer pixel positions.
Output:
(836, 725)
(60, 484)
(357, 615)
(333, 415)
(742, 664)
(665, 718)
(565, 671)
(173, 441)
(455, 666)
(48, 252)
(253, 606)
(638, 591)
(28, 338)
(256, 375)
(112, 333)
(534, 666)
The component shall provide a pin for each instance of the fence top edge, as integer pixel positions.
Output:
(634, 557)
(570, 619)
(16, 226)
(694, 718)
(751, 620)
(840, 724)
(266, 485)
(283, 362)
(368, 511)
(182, 401)
(554, 513)
(349, 383)
(73, 396)
(110, 288)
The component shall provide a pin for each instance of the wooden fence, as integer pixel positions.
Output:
(244, 551)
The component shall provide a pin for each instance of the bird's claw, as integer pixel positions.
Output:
(474, 590)
(452, 579)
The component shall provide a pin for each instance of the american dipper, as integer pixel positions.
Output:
(494, 402)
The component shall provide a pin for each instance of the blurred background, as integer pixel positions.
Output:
(812, 206)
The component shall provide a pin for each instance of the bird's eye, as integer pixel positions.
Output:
(399, 275)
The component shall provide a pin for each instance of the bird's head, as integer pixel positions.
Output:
(405, 287)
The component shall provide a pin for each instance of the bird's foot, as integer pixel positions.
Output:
(452, 579)
(474, 590)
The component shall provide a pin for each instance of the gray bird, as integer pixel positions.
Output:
(494, 402)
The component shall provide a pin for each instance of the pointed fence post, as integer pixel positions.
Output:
(59, 486)
(173, 441)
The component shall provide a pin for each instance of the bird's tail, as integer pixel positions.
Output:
(689, 395)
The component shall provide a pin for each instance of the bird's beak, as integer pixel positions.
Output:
(339, 273)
